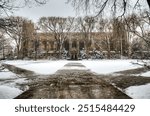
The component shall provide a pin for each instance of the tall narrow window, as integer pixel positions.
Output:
(74, 44)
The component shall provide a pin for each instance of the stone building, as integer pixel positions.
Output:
(74, 45)
(28, 36)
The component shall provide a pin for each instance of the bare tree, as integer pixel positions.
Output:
(138, 25)
(86, 26)
(8, 6)
(36, 45)
(120, 36)
(118, 7)
(101, 5)
(5, 47)
(11, 26)
(2, 44)
(103, 26)
(15, 32)
(60, 27)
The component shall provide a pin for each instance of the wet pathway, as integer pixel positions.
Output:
(73, 81)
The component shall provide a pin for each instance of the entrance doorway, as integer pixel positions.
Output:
(74, 54)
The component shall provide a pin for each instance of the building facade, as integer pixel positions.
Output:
(72, 45)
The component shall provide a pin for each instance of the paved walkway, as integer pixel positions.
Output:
(73, 81)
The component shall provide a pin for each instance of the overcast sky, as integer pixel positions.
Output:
(52, 8)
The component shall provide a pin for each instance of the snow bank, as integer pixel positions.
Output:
(7, 92)
(139, 92)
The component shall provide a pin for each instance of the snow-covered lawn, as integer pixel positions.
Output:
(98, 66)
(139, 92)
(40, 67)
(109, 66)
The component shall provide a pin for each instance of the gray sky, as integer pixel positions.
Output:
(52, 8)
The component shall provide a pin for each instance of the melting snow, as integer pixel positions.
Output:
(39, 67)
(139, 92)
(147, 74)
(7, 75)
(7, 92)
(9, 84)
(109, 66)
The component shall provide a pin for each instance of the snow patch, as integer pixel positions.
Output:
(7, 92)
(39, 67)
(147, 74)
(7, 75)
(139, 92)
(21, 81)
(109, 66)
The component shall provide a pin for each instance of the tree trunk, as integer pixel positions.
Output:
(60, 51)
(18, 52)
(35, 55)
(108, 41)
(129, 45)
(121, 50)
(3, 51)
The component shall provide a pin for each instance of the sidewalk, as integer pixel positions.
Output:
(73, 81)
